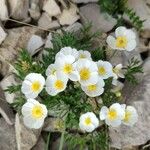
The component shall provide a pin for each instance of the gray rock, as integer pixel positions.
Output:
(19, 9)
(143, 11)
(48, 43)
(51, 7)
(16, 40)
(25, 137)
(35, 9)
(84, 1)
(146, 66)
(40, 145)
(35, 42)
(46, 22)
(3, 35)
(3, 10)
(8, 81)
(139, 134)
(100, 21)
(7, 136)
(5, 110)
(69, 16)
(76, 27)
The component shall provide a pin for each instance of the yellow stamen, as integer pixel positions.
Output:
(127, 116)
(101, 71)
(112, 114)
(68, 68)
(121, 42)
(59, 85)
(91, 87)
(37, 111)
(88, 121)
(36, 86)
(85, 74)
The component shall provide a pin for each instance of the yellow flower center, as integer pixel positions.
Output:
(82, 56)
(36, 86)
(88, 121)
(121, 42)
(101, 71)
(112, 114)
(68, 68)
(127, 116)
(85, 74)
(91, 87)
(37, 111)
(59, 84)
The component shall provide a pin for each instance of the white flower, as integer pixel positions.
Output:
(118, 71)
(56, 83)
(125, 39)
(65, 64)
(113, 115)
(88, 122)
(84, 54)
(131, 115)
(88, 71)
(94, 90)
(34, 114)
(104, 69)
(67, 51)
(51, 70)
(32, 85)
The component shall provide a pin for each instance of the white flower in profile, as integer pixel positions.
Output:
(65, 64)
(94, 90)
(67, 51)
(51, 70)
(32, 85)
(125, 39)
(88, 122)
(104, 69)
(34, 114)
(84, 54)
(117, 72)
(131, 115)
(56, 83)
(112, 115)
(88, 71)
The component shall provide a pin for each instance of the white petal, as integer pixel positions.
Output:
(26, 86)
(111, 41)
(131, 45)
(130, 35)
(74, 76)
(38, 124)
(120, 31)
(26, 109)
(103, 113)
(115, 123)
(31, 95)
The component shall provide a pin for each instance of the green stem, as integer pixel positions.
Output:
(62, 135)
(113, 54)
(62, 140)
(48, 140)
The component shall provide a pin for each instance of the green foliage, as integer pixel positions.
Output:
(135, 20)
(113, 7)
(132, 69)
(25, 65)
(94, 141)
(13, 88)
(19, 102)
(117, 9)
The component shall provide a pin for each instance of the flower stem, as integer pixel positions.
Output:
(48, 140)
(62, 140)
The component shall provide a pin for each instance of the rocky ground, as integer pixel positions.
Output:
(44, 17)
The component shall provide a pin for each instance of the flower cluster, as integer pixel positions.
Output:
(113, 116)
(78, 66)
